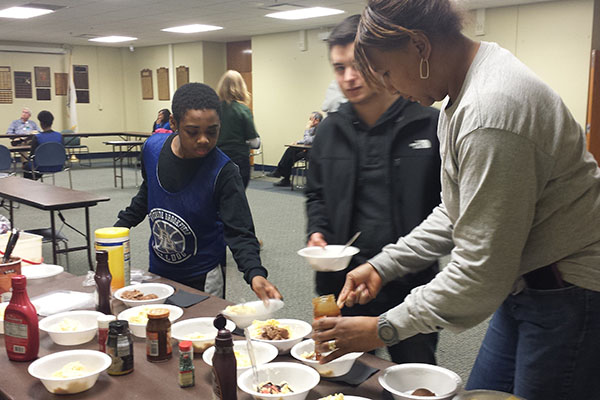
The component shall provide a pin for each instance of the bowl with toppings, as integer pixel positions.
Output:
(263, 353)
(72, 327)
(244, 314)
(200, 331)
(280, 380)
(414, 381)
(329, 258)
(144, 293)
(68, 372)
(281, 333)
(305, 352)
(486, 395)
(138, 316)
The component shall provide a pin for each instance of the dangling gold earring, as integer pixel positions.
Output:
(424, 72)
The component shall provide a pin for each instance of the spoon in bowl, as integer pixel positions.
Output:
(349, 242)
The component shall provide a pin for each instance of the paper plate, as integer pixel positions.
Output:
(41, 271)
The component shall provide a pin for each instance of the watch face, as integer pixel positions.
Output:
(386, 332)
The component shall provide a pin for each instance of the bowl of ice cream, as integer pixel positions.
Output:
(200, 331)
(280, 380)
(138, 316)
(305, 352)
(263, 353)
(431, 381)
(69, 372)
(244, 313)
(72, 327)
(281, 333)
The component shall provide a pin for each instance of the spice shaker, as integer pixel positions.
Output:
(186, 366)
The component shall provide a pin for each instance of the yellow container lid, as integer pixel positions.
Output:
(111, 233)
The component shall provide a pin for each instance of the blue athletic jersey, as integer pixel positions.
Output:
(187, 234)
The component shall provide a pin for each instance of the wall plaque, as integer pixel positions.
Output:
(42, 94)
(183, 75)
(147, 91)
(23, 85)
(6, 97)
(162, 78)
(61, 83)
(42, 76)
(5, 79)
(83, 96)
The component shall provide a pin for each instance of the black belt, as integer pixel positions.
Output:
(545, 278)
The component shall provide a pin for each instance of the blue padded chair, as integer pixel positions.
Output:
(5, 162)
(50, 158)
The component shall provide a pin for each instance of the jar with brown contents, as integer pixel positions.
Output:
(324, 306)
(158, 335)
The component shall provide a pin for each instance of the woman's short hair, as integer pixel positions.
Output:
(231, 87)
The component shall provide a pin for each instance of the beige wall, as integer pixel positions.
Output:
(215, 62)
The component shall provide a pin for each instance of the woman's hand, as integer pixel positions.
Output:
(343, 335)
(317, 239)
(362, 285)
(264, 289)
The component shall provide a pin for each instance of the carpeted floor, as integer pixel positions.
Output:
(279, 218)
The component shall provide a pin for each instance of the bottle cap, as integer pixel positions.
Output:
(101, 256)
(185, 345)
(104, 320)
(118, 326)
(224, 337)
(19, 282)
(157, 313)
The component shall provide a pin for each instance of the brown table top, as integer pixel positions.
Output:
(124, 142)
(149, 380)
(87, 134)
(45, 196)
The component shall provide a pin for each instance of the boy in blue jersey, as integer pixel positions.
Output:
(195, 201)
(46, 135)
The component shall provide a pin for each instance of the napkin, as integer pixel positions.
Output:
(357, 374)
(185, 299)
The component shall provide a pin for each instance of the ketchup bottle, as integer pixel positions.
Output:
(21, 333)
(224, 363)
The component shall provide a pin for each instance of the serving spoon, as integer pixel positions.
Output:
(349, 242)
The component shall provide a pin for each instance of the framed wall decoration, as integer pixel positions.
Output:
(6, 97)
(42, 76)
(5, 79)
(80, 77)
(23, 85)
(147, 90)
(162, 78)
(42, 93)
(61, 83)
(83, 96)
(183, 75)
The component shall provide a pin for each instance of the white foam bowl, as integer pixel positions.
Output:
(203, 326)
(486, 395)
(138, 329)
(243, 320)
(338, 367)
(86, 330)
(300, 378)
(263, 353)
(44, 367)
(160, 289)
(328, 258)
(402, 380)
(2, 309)
(298, 331)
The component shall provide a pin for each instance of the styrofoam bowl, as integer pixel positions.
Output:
(87, 326)
(2, 309)
(401, 380)
(257, 311)
(139, 329)
(203, 326)
(298, 331)
(44, 367)
(328, 258)
(300, 378)
(338, 367)
(263, 353)
(160, 289)
(486, 395)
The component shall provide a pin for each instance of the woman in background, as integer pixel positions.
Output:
(162, 125)
(238, 134)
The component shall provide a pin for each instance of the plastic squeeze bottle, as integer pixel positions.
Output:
(21, 333)
(103, 279)
(224, 363)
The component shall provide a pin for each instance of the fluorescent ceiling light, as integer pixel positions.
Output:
(23, 12)
(304, 13)
(113, 39)
(194, 28)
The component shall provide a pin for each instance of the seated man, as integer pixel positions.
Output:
(22, 126)
(293, 154)
(195, 201)
(46, 135)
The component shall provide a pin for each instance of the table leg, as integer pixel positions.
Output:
(121, 163)
(87, 237)
(114, 164)
(53, 231)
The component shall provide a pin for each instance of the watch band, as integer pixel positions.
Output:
(386, 331)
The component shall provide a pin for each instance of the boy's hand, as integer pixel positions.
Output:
(264, 289)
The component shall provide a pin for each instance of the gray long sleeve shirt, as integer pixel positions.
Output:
(519, 192)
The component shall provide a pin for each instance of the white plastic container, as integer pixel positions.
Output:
(29, 247)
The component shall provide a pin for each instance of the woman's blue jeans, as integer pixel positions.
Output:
(543, 345)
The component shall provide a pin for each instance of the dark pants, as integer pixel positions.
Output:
(290, 156)
(417, 349)
(243, 164)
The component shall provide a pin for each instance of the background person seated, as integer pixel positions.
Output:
(46, 135)
(162, 125)
(292, 154)
(22, 126)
